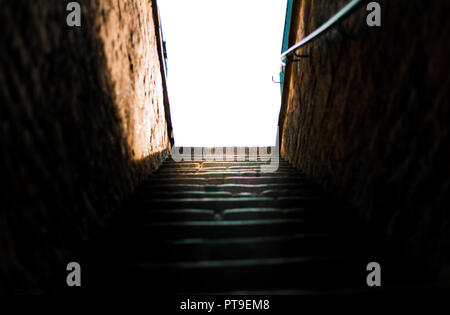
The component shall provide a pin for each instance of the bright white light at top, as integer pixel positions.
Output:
(221, 58)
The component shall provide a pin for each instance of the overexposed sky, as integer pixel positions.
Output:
(221, 58)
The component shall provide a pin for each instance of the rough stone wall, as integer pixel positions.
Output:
(82, 120)
(367, 116)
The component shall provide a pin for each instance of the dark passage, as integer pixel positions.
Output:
(87, 176)
(225, 227)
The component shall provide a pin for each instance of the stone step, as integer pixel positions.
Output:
(195, 249)
(198, 164)
(218, 204)
(222, 173)
(248, 274)
(172, 215)
(227, 180)
(233, 188)
(228, 174)
(220, 226)
(223, 194)
(185, 194)
(220, 229)
(269, 213)
(178, 215)
(221, 166)
(336, 273)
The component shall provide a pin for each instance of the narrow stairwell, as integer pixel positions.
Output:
(225, 227)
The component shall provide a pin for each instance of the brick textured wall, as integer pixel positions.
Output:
(367, 116)
(82, 120)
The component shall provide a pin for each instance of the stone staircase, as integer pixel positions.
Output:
(211, 227)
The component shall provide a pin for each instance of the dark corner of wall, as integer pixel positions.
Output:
(367, 116)
(84, 117)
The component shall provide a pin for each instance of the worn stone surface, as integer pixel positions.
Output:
(367, 116)
(236, 229)
(82, 120)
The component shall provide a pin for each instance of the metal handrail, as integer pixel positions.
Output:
(323, 28)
